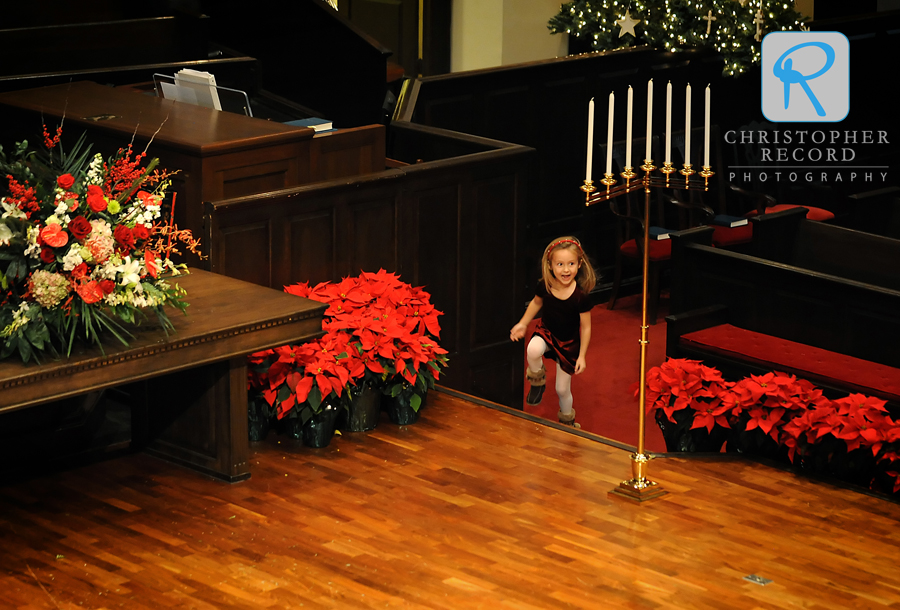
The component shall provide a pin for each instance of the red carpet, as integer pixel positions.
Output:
(603, 402)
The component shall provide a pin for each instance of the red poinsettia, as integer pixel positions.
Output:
(790, 411)
(377, 328)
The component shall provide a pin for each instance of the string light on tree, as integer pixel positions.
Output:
(678, 25)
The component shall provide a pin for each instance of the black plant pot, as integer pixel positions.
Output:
(364, 411)
(259, 419)
(319, 429)
(680, 437)
(399, 410)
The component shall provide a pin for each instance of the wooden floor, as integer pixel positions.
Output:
(469, 508)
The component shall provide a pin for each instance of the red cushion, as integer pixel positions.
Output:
(730, 236)
(812, 214)
(660, 249)
(811, 363)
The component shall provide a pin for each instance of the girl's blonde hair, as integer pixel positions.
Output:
(586, 277)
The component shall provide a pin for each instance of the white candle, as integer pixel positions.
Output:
(609, 134)
(687, 126)
(668, 158)
(706, 131)
(649, 116)
(628, 130)
(590, 143)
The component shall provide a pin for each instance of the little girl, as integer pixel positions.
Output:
(564, 330)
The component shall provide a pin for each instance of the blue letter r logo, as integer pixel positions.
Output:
(823, 57)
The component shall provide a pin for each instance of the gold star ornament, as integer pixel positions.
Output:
(627, 24)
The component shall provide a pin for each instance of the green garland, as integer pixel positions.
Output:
(677, 25)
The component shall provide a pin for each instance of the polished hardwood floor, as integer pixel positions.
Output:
(469, 508)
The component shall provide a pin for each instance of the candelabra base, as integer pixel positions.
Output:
(637, 490)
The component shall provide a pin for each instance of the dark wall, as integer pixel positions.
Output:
(309, 54)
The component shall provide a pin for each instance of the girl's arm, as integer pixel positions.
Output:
(580, 364)
(518, 331)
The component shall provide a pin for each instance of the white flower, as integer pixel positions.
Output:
(72, 258)
(11, 211)
(19, 320)
(33, 250)
(61, 209)
(95, 171)
(5, 234)
(130, 270)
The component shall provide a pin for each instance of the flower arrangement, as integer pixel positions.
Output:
(84, 247)
(776, 415)
(379, 331)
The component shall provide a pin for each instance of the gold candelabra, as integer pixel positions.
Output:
(640, 488)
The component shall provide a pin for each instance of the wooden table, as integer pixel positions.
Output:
(194, 407)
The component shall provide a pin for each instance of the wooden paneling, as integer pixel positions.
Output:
(452, 224)
(371, 239)
(246, 250)
(493, 260)
(348, 152)
(312, 244)
(437, 263)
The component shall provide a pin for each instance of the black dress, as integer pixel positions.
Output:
(560, 325)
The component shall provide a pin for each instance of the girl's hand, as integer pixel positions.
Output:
(518, 331)
(580, 365)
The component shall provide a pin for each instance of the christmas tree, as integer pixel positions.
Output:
(734, 28)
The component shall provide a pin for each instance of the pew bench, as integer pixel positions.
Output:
(835, 324)
(191, 405)
(705, 335)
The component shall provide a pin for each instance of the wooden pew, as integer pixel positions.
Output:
(751, 314)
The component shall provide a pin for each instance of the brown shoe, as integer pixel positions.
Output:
(568, 419)
(538, 382)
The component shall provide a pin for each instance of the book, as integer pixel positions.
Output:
(658, 233)
(724, 220)
(315, 123)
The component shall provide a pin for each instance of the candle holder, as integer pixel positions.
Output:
(608, 180)
(668, 169)
(706, 172)
(628, 174)
(588, 188)
(687, 172)
(648, 165)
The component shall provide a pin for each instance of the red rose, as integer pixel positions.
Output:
(107, 286)
(95, 199)
(124, 237)
(140, 232)
(48, 255)
(65, 181)
(80, 227)
(54, 236)
(90, 292)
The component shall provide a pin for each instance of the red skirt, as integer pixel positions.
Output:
(563, 352)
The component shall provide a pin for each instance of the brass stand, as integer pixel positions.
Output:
(639, 488)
